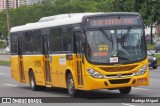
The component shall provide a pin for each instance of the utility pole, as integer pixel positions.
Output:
(8, 21)
(151, 34)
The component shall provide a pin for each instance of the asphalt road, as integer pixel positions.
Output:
(11, 88)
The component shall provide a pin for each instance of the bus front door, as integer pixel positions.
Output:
(20, 57)
(46, 60)
(79, 57)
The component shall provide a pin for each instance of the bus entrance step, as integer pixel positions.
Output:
(48, 86)
(22, 80)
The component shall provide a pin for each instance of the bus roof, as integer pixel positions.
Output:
(57, 20)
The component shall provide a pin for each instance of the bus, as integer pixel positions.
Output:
(81, 52)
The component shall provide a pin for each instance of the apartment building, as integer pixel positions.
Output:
(17, 3)
(31, 2)
(21, 2)
(3, 6)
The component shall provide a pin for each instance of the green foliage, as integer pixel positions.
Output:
(149, 9)
(123, 5)
(149, 46)
(158, 58)
(3, 23)
(4, 63)
(2, 44)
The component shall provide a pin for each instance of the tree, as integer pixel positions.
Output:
(150, 13)
(149, 10)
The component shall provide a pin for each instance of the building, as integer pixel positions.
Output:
(3, 6)
(20, 3)
(17, 3)
(31, 2)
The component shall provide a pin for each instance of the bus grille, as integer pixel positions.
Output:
(118, 69)
(115, 75)
(119, 81)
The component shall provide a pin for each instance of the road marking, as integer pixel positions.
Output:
(2, 74)
(9, 84)
(127, 104)
(141, 89)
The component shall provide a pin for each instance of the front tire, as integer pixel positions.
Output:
(71, 87)
(126, 90)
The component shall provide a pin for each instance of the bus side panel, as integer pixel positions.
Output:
(35, 63)
(55, 75)
(27, 63)
(15, 67)
(70, 65)
(59, 65)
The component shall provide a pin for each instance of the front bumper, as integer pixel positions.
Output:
(115, 83)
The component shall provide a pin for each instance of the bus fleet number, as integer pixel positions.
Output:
(37, 63)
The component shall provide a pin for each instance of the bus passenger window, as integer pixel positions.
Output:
(67, 39)
(28, 42)
(56, 40)
(14, 44)
(37, 42)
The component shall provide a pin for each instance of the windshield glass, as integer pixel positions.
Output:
(115, 45)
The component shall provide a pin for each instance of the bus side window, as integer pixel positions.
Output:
(28, 42)
(20, 43)
(67, 39)
(56, 40)
(14, 42)
(37, 42)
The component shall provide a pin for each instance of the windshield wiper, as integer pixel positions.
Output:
(106, 35)
(126, 34)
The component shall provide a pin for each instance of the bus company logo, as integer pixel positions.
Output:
(119, 75)
(6, 100)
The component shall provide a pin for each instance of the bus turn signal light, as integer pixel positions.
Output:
(142, 80)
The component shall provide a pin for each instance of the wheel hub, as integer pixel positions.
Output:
(71, 85)
(32, 82)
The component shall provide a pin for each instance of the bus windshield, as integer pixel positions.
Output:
(115, 45)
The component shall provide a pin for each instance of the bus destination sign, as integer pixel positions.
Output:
(113, 21)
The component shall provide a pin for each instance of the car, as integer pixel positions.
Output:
(7, 49)
(152, 60)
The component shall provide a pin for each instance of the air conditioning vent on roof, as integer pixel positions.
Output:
(62, 16)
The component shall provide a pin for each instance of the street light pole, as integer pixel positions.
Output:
(8, 20)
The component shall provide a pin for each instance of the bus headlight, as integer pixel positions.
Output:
(142, 70)
(94, 73)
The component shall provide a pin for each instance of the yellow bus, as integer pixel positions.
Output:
(81, 51)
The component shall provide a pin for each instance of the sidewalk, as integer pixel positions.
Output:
(5, 57)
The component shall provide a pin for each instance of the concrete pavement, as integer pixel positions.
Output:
(5, 57)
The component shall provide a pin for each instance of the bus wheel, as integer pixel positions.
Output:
(70, 86)
(33, 85)
(126, 90)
